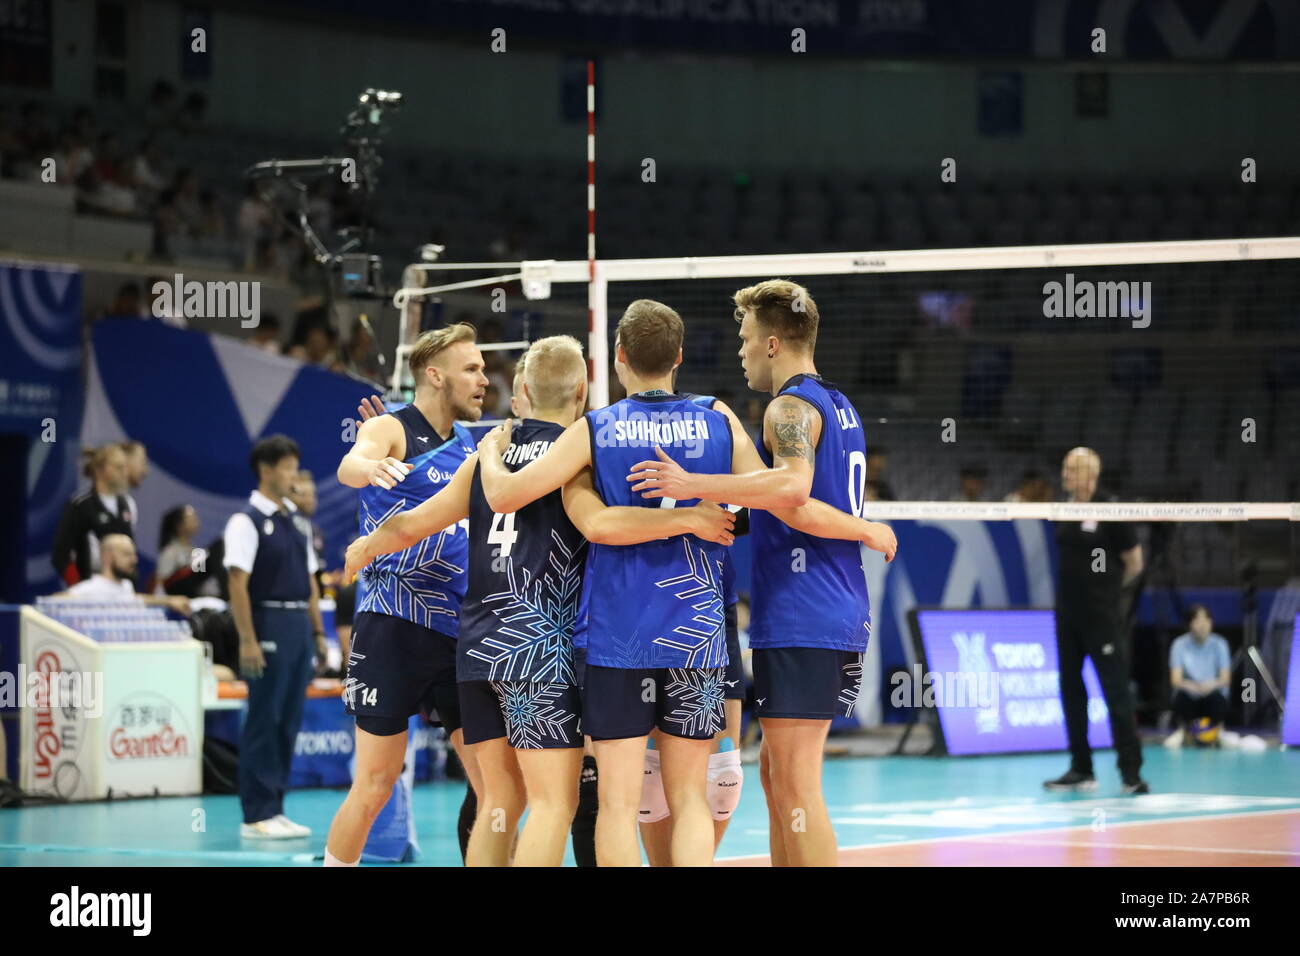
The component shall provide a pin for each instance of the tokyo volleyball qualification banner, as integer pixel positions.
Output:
(947, 563)
(1291, 716)
(994, 681)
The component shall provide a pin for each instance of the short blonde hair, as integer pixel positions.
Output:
(554, 370)
(430, 343)
(519, 372)
(783, 308)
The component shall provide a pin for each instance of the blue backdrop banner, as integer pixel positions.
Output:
(199, 403)
(40, 400)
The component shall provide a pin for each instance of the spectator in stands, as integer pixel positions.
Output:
(212, 221)
(167, 225)
(267, 335)
(126, 304)
(972, 483)
(320, 342)
(1200, 669)
(115, 581)
(88, 517)
(194, 112)
(269, 259)
(362, 360)
(83, 124)
(112, 190)
(185, 186)
(499, 371)
(160, 111)
(73, 159)
(320, 208)
(147, 172)
(492, 405)
(1032, 487)
(183, 568)
(253, 223)
(877, 488)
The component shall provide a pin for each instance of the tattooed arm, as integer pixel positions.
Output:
(791, 429)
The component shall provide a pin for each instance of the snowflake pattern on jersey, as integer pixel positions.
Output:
(350, 684)
(406, 585)
(704, 639)
(533, 712)
(851, 685)
(698, 695)
(534, 640)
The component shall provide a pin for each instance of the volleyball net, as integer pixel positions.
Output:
(975, 370)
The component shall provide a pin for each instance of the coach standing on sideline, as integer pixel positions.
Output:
(274, 600)
(1097, 560)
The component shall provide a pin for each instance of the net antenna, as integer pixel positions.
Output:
(535, 276)
(409, 301)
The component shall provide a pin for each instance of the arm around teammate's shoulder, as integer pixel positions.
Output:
(371, 460)
(625, 525)
(507, 490)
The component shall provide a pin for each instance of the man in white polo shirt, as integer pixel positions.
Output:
(115, 579)
(275, 603)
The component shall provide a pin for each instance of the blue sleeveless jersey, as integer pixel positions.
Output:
(810, 591)
(729, 596)
(659, 603)
(525, 578)
(426, 582)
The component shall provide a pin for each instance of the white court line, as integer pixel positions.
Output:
(991, 836)
(1139, 846)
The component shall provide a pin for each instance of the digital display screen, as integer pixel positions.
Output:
(992, 677)
(1291, 716)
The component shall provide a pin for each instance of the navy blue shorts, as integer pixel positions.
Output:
(618, 703)
(529, 714)
(397, 668)
(735, 680)
(810, 683)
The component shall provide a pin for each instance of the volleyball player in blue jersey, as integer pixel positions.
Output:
(403, 651)
(811, 616)
(726, 775)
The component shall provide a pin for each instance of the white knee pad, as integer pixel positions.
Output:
(726, 780)
(654, 803)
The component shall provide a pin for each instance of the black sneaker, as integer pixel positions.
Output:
(1072, 780)
(1135, 786)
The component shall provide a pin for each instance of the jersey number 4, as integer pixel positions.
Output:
(503, 532)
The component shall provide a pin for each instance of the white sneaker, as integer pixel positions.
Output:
(269, 829)
(1175, 740)
(294, 829)
(1229, 738)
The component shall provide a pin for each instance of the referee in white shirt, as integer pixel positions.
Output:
(275, 603)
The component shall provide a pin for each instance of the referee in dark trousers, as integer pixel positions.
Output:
(1097, 559)
(275, 603)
